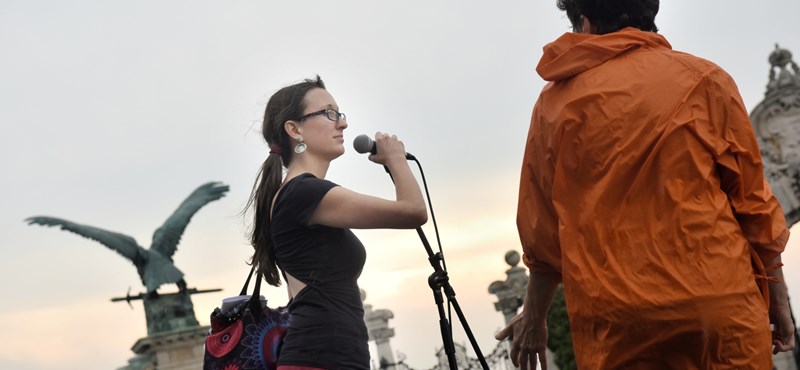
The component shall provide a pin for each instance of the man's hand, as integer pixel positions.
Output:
(529, 341)
(783, 328)
(780, 315)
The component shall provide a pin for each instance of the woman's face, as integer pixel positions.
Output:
(323, 136)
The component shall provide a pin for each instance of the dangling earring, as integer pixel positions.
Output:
(301, 146)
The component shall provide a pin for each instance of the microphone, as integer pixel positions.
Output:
(363, 144)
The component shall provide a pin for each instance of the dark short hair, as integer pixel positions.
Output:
(612, 15)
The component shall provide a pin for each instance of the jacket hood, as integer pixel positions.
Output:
(573, 53)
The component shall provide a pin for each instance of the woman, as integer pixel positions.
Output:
(301, 223)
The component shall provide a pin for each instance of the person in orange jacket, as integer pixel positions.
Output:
(642, 191)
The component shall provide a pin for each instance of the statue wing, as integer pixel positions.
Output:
(167, 237)
(120, 243)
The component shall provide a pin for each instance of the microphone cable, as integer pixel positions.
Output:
(433, 215)
(438, 241)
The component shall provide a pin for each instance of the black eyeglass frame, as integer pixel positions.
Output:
(331, 114)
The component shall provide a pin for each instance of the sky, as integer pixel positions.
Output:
(113, 112)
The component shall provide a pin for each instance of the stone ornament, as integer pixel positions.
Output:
(776, 122)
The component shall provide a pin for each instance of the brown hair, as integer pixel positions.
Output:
(286, 104)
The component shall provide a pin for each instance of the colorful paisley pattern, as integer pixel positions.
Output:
(240, 341)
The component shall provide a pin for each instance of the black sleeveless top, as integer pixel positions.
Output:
(328, 329)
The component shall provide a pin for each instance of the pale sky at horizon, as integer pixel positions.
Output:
(113, 112)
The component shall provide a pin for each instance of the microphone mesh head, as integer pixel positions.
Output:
(362, 144)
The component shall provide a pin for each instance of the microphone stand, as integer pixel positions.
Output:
(439, 281)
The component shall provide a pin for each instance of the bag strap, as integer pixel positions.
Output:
(255, 299)
(247, 282)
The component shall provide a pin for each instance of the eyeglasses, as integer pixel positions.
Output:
(332, 115)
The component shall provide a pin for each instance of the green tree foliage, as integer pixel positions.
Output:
(559, 338)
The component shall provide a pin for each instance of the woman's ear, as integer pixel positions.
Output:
(292, 128)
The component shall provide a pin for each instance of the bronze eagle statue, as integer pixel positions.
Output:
(155, 265)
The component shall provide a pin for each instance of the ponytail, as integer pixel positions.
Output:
(264, 189)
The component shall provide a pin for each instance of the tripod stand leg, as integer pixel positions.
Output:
(451, 297)
(444, 327)
(438, 281)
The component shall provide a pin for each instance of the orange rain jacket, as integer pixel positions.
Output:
(642, 187)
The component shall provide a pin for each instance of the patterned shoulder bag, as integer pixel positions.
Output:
(246, 333)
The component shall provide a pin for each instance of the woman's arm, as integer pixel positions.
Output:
(348, 209)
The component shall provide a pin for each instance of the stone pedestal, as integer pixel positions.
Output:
(167, 312)
(180, 349)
